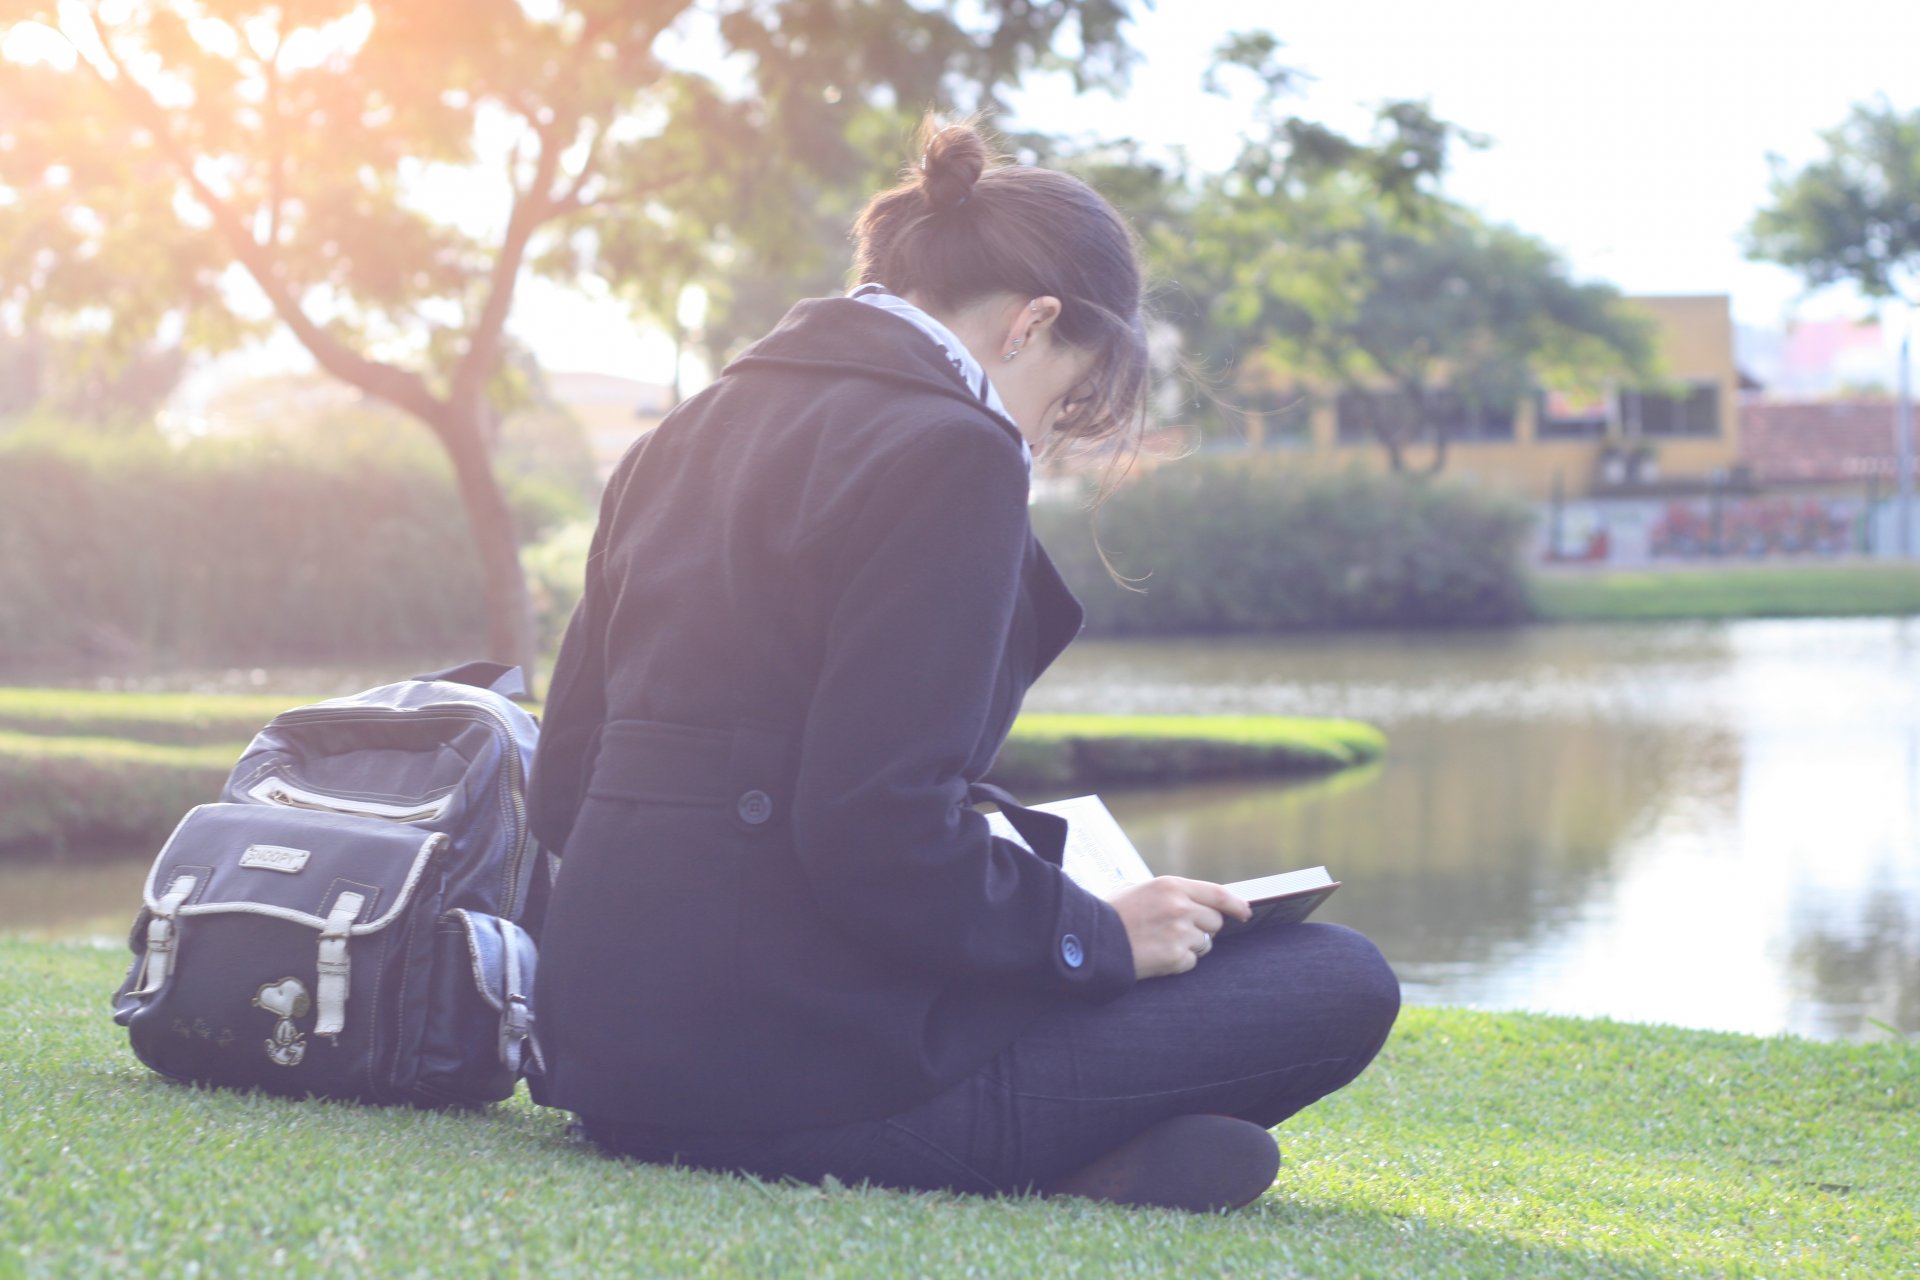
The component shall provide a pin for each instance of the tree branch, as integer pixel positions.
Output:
(276, 142)
(400, 387)
(532, 206)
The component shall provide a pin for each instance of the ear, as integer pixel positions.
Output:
(1034, 317)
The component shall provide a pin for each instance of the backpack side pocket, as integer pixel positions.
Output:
(479, 1036)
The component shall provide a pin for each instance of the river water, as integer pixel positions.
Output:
(1714, 825)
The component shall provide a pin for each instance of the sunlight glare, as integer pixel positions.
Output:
(309, 47)
(76, 23)
(30, 42)
(215, 36)
(263, 36)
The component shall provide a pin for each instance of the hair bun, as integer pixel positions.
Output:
(952, 160)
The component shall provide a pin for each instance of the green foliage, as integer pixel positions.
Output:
(59, 794)
(1324, 261)
(1477, 1145)
(1731, 591)
(314, 147)
(1246, 543)
(1853, 214)
(556, 575)
(227, 551)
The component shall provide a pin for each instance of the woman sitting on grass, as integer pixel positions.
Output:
(782, 941)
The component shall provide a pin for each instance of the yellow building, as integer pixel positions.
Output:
(1624, 441)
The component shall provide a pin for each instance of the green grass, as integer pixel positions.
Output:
(1730, 591)
(1095, 750)
(1477, 1146)
(184, 718)
(82, 768)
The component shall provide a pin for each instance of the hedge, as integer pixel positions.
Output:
(1249, 543)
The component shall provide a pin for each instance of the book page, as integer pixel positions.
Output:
(1098, 856)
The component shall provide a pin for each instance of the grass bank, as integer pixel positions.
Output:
(1478, 1145)
(1727, 591)
(80, 768)
(1092, 750)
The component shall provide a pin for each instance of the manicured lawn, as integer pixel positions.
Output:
(183, 718)
(1731, 591)
(1478, 1146)
(1093, 750)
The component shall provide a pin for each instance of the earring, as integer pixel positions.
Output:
(1017, 344)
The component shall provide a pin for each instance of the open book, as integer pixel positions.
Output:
(1100, 859)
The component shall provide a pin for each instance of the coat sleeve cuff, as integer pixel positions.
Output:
(1090, 954)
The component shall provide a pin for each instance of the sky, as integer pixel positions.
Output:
(1632, 136)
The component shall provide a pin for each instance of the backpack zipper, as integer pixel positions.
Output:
(514, 785)
(276, 790)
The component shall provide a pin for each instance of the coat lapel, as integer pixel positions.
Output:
(1058, 614)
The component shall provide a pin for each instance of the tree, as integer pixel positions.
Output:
(1854, 214)
(1455, 318)
(1325, 260)
(381, 180)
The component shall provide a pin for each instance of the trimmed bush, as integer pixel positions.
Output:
(1248, 543)
(126, 548)
(59, 795)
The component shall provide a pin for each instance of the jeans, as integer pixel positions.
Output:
(1266, 1023)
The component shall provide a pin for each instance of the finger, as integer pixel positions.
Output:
(1220, 898)
(1207, 920)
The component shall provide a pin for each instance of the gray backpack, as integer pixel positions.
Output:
(348, 921)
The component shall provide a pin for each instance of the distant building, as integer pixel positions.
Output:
(1820, 358)
(1618, 441)
(1819, 443)
(612, 409)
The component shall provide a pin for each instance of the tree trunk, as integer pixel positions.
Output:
(510, 635)
(1396, 460)
(1439, 462)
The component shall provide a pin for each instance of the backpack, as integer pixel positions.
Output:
(347, 920)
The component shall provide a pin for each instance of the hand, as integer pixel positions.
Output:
(1171, 921)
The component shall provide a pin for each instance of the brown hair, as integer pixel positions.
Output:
(963, 225)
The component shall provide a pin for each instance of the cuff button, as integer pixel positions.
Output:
(1071, 952)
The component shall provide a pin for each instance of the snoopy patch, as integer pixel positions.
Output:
(285, 1000)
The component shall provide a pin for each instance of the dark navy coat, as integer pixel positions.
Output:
(813, 605)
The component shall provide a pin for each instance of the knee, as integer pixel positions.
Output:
(1368, 990)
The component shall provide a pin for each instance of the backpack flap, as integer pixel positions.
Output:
(252, 909)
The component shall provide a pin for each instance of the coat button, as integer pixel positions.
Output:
(755, 807)
(1072, 952)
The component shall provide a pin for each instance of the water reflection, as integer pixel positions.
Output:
(1711, 825)
(95, 899)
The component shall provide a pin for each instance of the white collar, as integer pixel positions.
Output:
(956, 352)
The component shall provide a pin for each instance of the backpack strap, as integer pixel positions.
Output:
(333, 967)
(160, 930)
(502, 679)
